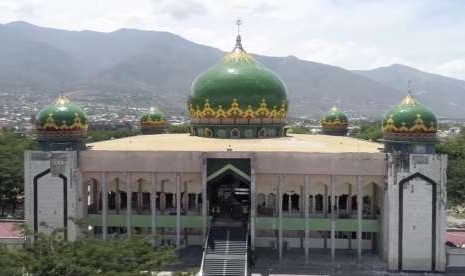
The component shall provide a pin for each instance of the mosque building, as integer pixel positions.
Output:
(239, 177)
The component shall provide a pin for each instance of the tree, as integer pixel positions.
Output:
(455, 150)
(299, 130)
(101, 135)
(182, 128)
(370, 131)
(51, 255)
(12, 147)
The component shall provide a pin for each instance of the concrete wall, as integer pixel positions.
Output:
(369, 164)
(50, 193)
(416, 213)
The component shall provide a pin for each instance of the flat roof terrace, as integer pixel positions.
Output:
(291, 143)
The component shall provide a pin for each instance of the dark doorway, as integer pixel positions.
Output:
(229, 196)
(228, 189)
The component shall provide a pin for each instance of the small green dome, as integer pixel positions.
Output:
(152, 122)
(335, 122)
(410, 121)
(238, 91)
(61, 119)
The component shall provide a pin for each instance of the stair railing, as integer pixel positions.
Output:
(205, 248)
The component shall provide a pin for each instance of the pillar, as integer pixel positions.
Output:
(178, 210)
(253, 202)
(280, 212)
(333, 217)
(313, 204)
(359, 216)
(289, 203)
(128, 203)
(349, 201)
(104, 205)
(95, 197)
(204, 197)
(153, 206)
(325, 202)
(306, 214)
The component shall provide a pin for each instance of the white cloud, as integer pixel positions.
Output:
(454, 68)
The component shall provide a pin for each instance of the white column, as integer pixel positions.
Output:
(306, 207)
(104, 205)
(349, 201)
(204, 197)
(253, 202)
(128, 203)
(289, 203)
(153, 206)
(325, 202)
(280, 212)
(96, 199)
(313, 204)
(359, 216)
(178, 210)
(333, 217)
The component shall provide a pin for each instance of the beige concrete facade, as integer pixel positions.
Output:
(306, 192)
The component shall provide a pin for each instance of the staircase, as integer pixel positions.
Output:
(225, 252)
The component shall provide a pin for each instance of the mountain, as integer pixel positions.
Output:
(147, 67)
(438, 92)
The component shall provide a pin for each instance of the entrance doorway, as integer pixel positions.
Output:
(228, 189)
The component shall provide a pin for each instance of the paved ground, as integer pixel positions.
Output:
(293, 263)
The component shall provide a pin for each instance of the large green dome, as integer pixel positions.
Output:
(61, 120)
(153, 122)
(240, 92)
(335, 122)
(410, 121)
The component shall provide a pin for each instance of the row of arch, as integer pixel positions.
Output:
(191, 197)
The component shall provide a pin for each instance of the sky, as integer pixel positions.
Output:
(353, 34)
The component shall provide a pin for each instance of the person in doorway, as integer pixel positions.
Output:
(211, 243)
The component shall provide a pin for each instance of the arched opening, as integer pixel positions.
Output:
(93, 196)
(208, 133)
(229, 195)
(286, 199)
(319, 203)
(235, 133)
(295, 205)
(262, 133)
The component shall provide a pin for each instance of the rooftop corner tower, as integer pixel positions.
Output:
(335, 122)
(61, 126)
(410, 127)
(238, 98)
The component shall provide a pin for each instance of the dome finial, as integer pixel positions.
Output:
(238, 37)
(409, 87)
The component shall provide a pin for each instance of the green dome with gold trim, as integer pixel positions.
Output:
(335, 122)
(410, 121)
(61, 120)
(238, 91)
(152, 122)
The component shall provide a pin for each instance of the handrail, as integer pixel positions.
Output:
(205, 247)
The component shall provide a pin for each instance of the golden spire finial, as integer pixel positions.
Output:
(409, 99)
(334, 109)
